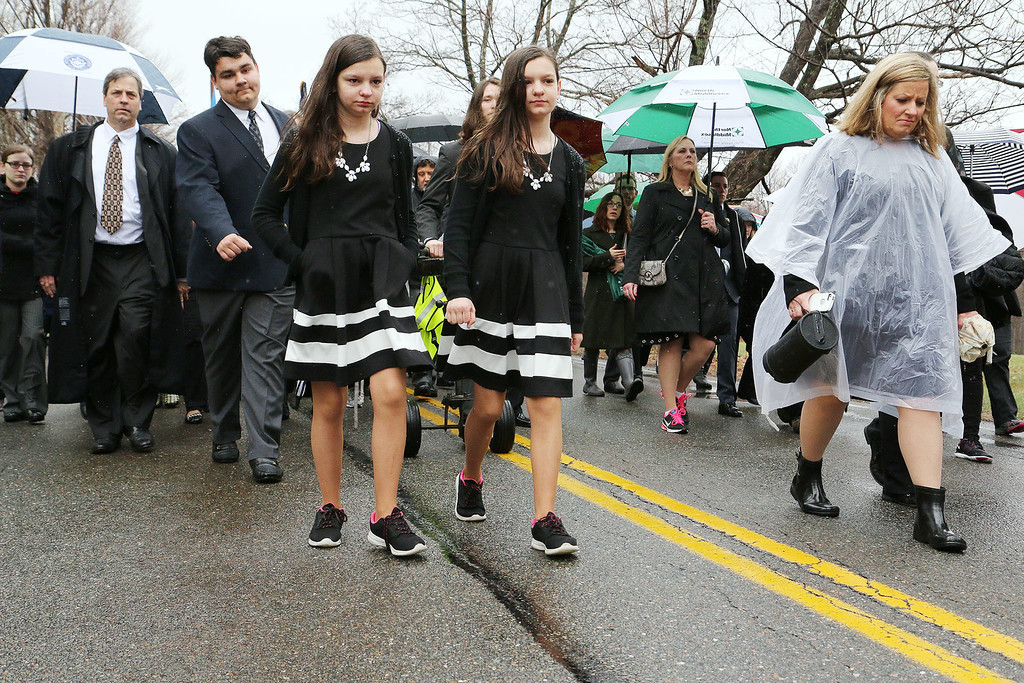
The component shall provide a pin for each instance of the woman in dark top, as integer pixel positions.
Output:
(692, 303)
(349, 240)
(607, 322)
(512, 269)
(22, 340)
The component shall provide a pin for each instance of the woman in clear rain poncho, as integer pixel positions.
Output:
(878, 216)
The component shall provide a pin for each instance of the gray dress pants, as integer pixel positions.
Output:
(244, 337)
(23, 354)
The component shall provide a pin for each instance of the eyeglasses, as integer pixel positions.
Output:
(617, 205)
(20, 164)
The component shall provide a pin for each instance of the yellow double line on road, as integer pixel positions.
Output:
(904, 642)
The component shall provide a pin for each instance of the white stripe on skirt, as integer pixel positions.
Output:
(345, 319)
(536, 365)
(355, 351)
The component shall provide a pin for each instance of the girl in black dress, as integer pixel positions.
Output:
(344, 177)
(512, 269)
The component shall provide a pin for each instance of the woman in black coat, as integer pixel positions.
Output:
(681, 222)
(607, 322)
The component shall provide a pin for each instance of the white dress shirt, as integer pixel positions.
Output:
(131, 209)
(268, 130)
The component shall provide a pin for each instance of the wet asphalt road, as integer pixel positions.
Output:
(166, 566)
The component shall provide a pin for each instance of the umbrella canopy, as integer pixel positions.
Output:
(630, 155)
(58, 70)
(595, 199)
(429, 127)
(995, 157)
(582, 134)
(750, 109)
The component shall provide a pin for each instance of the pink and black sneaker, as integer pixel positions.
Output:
(673, 422)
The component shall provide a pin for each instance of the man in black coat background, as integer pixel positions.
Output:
(111, 244)
(728, 344)
(244, 302)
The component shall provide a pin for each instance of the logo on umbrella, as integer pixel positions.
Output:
(78, 62)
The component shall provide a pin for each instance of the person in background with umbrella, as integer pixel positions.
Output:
(512, 273)
(682, 223)
(113, 262)
(607, 314)
(22, 338)
(878, 216)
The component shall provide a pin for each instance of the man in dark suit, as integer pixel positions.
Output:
(736, 268)
(224, 155)
(112, 245)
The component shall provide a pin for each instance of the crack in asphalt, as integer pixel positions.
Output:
(541, 628)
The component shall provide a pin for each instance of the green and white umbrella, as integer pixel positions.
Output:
(749, 110)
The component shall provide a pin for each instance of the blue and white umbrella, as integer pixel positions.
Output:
(57, 70)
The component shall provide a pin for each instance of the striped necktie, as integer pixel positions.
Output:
(254, 129)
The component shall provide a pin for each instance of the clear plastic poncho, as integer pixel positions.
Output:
(884, 226)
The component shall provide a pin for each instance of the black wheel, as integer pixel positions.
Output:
(504, 430)
(413, 429)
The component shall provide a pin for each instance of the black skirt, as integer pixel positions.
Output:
(353, 315)
(522, 337)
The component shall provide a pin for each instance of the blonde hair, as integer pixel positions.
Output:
(863, 116)
(666, 173)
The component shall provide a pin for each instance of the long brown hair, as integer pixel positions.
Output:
(500, 145)
(474, 117)
(318, 135)
(623, 224)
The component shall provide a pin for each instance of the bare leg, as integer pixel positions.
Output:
(388, 441)
(920, 433)
(694, 359)
(669, 361)
(818, 423)
(545, 450)
(487, 407)
(326, 437)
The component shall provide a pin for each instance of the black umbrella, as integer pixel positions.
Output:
(429, 127)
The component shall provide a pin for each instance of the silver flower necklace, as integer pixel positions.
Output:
(546, 177)
(363, 167)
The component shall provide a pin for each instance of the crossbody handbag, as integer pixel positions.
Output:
(652, 273)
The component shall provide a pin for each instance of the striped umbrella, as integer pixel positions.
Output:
(995, 157)
(721, 107)
(57, 70)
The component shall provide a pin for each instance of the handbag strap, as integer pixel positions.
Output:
(692, 212)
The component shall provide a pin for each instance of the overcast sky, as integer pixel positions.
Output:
(289, 39)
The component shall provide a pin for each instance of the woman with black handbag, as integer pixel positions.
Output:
(877, 216)
(678, 225)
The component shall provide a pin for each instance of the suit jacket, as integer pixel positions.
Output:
(67, 209)
(64, 240)
(737, 259)
(433, 206)
(220, 171)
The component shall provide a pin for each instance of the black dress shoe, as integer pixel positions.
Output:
(752, 400)
(729, 410)
(109, 444)
(522, 420)
(139, 439)
(266, 470)
(35, 417)
(225, 452)
(614, 387)
(424, 389)
(16, 415)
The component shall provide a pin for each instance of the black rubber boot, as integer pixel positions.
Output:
(590, 387)
(808, 490)
(634, 383)
(887, 465)
(930, 525)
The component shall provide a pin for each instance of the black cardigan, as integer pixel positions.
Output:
(467, 219)
(287, 240)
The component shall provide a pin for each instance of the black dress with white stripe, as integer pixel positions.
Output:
(353, 316)
(518, 284)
